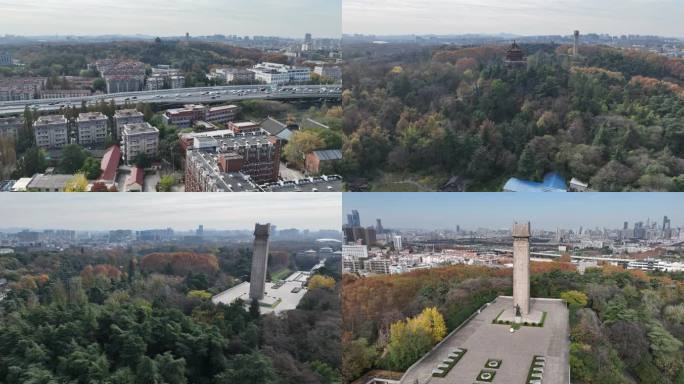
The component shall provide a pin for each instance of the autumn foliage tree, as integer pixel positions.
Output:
(179, 263)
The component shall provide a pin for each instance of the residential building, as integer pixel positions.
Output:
(139, 138)
(10, 126)
(51, 131)
(63, 93)
(190, 113)
(122, 76)
(329, 72)
(126, 116)
(154, 83)
(255, 154)
(322, 159)
(92, 128)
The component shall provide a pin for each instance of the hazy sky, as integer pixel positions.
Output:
(525, 17)
(95, 211)
(172, 17)
(500, 210)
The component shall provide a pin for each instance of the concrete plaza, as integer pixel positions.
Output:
(484, 340)
(284, 296)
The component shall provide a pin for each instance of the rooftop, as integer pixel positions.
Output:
(553, 182)
(139, 128)
(91, 116)
(50, 182)
(51, 119)
(110, 163)
(328, 154)
(127, 113)
(324, 183)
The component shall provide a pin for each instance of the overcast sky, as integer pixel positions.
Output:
(292, 18)
(101, 211)
(525, 17)
(500, 210)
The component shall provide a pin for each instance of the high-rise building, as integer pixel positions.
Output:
(396, 241)
(378, 226)
(354, 219)
(257, 281)
(200, 230)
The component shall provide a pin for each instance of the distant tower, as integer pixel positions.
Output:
(257, 281)
(200, 230)
(187, 36)
(575, 44)
(521, 267)
(378, 226)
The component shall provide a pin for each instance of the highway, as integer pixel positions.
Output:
(218, 94)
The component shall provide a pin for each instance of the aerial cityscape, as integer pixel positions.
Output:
(98, 300)
(504, 192)
(465, 288)
(96, 111)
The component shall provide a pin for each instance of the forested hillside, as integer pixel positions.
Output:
(84, 316)
(626, 326)
(416, 117)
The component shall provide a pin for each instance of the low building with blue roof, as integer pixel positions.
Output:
(553, 182)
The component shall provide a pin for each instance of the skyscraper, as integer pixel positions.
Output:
(378, 227)
(257, 281)
(354, 220)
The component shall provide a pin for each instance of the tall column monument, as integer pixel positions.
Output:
(521, 267)
(257, 281)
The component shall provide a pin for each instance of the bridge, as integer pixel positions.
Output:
(216, 94)
(608, 258)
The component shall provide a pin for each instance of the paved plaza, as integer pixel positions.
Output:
(484, 340)
(284, 296)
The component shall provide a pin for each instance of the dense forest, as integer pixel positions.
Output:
(626, 326)
(121, 316)
(417, 117)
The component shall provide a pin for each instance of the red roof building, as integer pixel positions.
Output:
(110, 163)
(135, 181)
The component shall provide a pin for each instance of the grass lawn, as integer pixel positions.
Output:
(281, 274)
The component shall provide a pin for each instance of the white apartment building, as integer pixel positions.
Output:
(51, 131)
(92, 128)
(273, 73)
(139, 138)
(126, 116)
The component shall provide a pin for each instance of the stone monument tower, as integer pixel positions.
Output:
(257, 282)
(575, 44)
(521, 267)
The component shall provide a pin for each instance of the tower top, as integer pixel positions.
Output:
(262, 229)
(521, 229)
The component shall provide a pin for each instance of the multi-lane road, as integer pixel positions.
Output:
(183, 95)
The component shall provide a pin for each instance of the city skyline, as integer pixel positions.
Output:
(434, 211)
(172, 18)
(102, 211)
(524, 17)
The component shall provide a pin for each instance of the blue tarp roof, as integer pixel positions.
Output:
(553, 182)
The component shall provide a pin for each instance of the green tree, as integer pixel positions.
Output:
(91, 168)
(72, 159)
